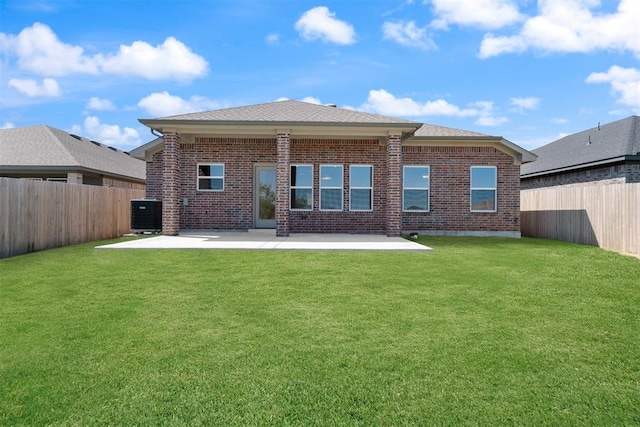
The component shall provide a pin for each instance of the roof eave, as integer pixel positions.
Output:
(71, 168)
(159, 124)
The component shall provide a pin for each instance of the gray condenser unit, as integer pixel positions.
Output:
(146, 215)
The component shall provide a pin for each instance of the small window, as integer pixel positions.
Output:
(331, 187)
(210, 177)
(484, 188)
(415, 188)
(301, 197)
(360, 188)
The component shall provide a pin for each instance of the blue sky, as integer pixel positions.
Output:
(528, 70)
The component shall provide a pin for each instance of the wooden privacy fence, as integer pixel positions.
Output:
(605, 215)
(40, 215)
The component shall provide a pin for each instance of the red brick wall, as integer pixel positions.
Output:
(154, 177)
(341, 152)
(449, 199)
(450, 169)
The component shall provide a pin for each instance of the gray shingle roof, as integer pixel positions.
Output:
(595, 145)
(427, 130)
(44, 147)
(288, 112)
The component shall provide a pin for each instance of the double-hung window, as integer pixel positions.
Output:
(484, 188)
(301, 195)
(210, 176)
(415, 188)
(331, 187)
(360, 188)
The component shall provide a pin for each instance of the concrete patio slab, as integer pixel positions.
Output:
(266, 239)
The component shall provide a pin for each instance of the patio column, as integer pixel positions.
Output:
(282, 184)
(394, 185)
(170, 175)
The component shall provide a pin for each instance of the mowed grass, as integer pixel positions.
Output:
(482, 332)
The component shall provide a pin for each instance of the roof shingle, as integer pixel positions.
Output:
(44, 146)
(289, 112)
(608, 141)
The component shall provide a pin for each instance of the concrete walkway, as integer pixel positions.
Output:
(266, 239)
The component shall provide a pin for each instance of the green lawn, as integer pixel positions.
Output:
(481, 332)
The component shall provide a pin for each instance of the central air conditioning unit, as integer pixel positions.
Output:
(146, 216)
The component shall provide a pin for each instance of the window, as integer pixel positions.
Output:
(331, 179)
(483, 188)
(301, 197)
(415, 188)
(360, 188)
(210, 177)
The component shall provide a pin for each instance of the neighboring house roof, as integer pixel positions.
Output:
(42, 147)
(609, 143)
(306, 119)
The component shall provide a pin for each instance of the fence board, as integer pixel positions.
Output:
(605, 215)
(36, 215)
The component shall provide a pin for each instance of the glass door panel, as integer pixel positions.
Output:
(265, 197)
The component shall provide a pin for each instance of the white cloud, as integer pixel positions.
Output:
(560, 121)
(38, 50)
(311, 100)
(408, 34)
(382, 102)
(33, 89)
(170, 60)
(112, 135)
(162, 104)
(625, 82)
(273, 39)
(490, 14)
(7, 125)
(100, 104)
(525, 103)
(572, 26)
(320, 23)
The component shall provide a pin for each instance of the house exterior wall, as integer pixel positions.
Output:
(449, 193)
(450, 188)
(611, 174)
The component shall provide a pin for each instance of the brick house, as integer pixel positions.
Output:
(306, 168)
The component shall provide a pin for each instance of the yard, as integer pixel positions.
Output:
(483, 331)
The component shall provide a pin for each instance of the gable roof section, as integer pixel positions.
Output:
(604, 144)
(43, 147)
(441, 135)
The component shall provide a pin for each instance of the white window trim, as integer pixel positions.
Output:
(199, 177)
(320, 188)
(471, 189)
(417, 188)
(291, 187)
(351, 187)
